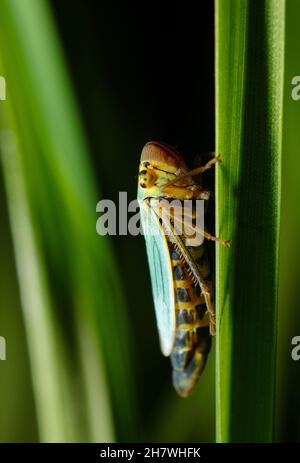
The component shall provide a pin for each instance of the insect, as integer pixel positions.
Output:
(180, 272)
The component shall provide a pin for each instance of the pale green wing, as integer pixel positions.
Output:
(160, 266)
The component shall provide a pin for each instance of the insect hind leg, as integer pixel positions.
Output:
(210, 309)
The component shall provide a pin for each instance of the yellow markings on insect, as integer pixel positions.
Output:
(180, 271)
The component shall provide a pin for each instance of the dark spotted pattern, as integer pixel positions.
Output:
(182, 295)
(178, 273)
(182, 338)
(185, 379)
(203, 339)
(192, 343)
(201, 310)
(184, 317)
(175, 254)
(180, 358)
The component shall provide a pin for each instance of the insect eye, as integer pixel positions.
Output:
(146, 178)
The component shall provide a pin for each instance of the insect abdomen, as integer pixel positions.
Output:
(185, 380)
(192, 337)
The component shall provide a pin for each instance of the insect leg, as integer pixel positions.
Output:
(197, 171)
(201, 231)
(210, 308)
(210, 237)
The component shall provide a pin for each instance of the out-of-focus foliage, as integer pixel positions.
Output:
(74, 311)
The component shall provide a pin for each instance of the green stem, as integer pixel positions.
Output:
(249, 93)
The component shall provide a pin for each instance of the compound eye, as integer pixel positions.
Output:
(147, 179)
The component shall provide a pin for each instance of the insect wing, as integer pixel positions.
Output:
(161, 277)
(156, 207)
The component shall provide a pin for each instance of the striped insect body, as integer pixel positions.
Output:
(182, 283)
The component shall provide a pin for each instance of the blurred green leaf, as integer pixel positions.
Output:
(74, 312)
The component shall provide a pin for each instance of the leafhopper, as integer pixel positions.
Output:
(182, 281)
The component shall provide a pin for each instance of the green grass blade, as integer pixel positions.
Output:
(79, 285)
(288, 371)
(40, 328)
(249, 93)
